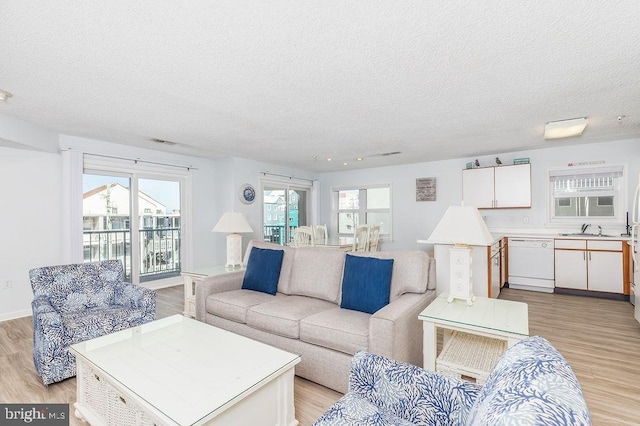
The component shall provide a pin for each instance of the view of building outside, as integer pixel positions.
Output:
(364, 206)
(107, 226)
(275, 211)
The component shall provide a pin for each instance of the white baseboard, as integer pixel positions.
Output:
(15, 315)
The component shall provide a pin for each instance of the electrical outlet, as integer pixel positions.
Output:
(525, 219)
(5, 285)
(512, 220)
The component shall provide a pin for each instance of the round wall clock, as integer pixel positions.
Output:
(247, 193)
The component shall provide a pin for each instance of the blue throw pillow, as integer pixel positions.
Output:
(263, 270)
(366, 283)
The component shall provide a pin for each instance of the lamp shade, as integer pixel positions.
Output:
(461, 225)
(232, 222)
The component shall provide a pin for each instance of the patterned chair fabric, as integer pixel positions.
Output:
(532, 384)
(77, 302)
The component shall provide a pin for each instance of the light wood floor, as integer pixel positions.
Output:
(598, 337)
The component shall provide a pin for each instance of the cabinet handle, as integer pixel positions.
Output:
(584, 256)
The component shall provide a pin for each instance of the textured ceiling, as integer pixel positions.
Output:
(295, 82)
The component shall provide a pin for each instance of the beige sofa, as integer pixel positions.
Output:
(305, 317)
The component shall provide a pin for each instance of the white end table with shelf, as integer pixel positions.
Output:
(199, 275)
(496, 321)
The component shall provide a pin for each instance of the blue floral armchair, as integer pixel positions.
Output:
(532, 384)
(77, 302)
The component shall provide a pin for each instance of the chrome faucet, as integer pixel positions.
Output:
(584, 227)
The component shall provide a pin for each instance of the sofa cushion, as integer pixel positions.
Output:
(532, 384)
(263, 270)
(339, 329)
(317, 272)
(282, 316)
(287, 261)
(366, 283)
(233, 305)
(411, 270)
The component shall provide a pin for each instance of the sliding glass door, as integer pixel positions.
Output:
(285, 207)
(149, 246)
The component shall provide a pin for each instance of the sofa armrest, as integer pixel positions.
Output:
(137, 297)
(400, 393)
(395, 330)
(215, 284)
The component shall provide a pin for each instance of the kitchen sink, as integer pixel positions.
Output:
(584, 234)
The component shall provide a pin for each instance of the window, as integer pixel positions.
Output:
(583, 193)
(132, 211)
(367, 205)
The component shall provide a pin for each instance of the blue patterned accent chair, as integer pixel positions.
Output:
(532, 384)
(73, 303)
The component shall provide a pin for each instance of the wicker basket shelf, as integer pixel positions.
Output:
(470, 356)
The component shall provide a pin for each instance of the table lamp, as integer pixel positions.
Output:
(233, 223)
(461, 226)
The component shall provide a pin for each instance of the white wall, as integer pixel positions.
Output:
(415, 220)
(31, 218)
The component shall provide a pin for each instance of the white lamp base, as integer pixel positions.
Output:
(234, 250)
(460, 286)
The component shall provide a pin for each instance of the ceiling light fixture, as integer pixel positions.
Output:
(565, 128)
(4, 95)
(359, 159)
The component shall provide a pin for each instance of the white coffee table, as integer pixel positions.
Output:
(179, 371)
(492, 318)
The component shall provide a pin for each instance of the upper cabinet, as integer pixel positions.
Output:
(497, 187)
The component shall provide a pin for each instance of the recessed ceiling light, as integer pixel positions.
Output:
(345, 164)
(4, 95)
(359, 159)
(565, 128)
(328, 159)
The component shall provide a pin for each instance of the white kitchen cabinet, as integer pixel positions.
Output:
(594, 265)
(478, 187)
(497, 187)
(571, 269)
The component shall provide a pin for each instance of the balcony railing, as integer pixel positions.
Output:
(159, 250)
(275, 233)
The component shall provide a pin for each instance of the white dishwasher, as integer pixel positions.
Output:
(531, 264)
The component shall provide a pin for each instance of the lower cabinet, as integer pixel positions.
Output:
(594, 265)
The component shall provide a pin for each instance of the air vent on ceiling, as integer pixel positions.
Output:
(162, 141)
(388, 154)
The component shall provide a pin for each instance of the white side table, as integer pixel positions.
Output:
(198, 275)
(492, 318)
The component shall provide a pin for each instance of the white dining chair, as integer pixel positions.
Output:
(374, 237)
(320, 232)
(361, 238)
(303, 236)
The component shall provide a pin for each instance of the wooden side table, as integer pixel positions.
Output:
(490, 318)
(198, 275)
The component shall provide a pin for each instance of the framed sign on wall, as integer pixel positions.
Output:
(426, 189)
